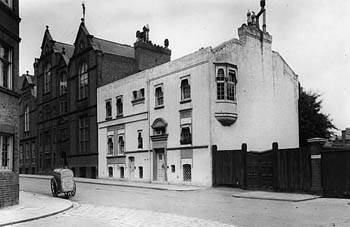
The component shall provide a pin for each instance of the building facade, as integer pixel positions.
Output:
(158, 125)
(9, 97)
(28, 125)
(67, 80)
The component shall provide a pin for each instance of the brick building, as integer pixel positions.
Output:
(28, 125)
(9, 97)
(67, 79)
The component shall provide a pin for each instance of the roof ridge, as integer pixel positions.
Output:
(122, 44)
(64, 43)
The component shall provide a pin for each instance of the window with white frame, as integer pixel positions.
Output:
(6, 152)
(185, 89)
(5, 67)
(108, 108)
(63, 83)
(226, 81)
(121, 144)
(139, 139)
(83, 81)
(186, 135)
(159, 98)
(26, 119)
(119, 106)
(231, 85)
(110, 145)
(47, 78)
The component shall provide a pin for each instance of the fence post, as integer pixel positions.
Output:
(244, 166)
(315, 146)
(275, 165)
(214, 149)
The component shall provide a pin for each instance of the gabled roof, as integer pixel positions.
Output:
(69, 50)
(26, 78)
(113, 47)
(47, 36)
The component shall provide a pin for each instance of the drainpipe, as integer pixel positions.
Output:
(149, 128)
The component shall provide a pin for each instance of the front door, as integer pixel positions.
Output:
(160, 166)
(132, 167)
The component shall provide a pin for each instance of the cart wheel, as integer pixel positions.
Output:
(54, 188)
(72, 193)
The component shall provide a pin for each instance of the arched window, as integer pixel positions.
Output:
(159, 96)
(110, 145)
(63, 83)
(110, 171)
(185, 90)
(47, 78)
(231, 85)
(83, 81)
(26, 119)
(121, 144)
(220, 81)
(120, 106)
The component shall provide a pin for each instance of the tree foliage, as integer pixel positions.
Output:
(312, 122)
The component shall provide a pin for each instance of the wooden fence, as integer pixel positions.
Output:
(285, 170)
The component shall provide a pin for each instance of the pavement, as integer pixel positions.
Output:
(115, 182)
(277, 196)
(32, 206)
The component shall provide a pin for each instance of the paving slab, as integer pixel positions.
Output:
(115, 182)
(278, 196)
(31, 207)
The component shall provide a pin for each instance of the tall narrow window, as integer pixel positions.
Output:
(121, 144)
(47, 78)
(83, 81)
(139, 139)
(84, 134)
(110, 171)
(108, 109)
(63, 107)
(5, 67)
(119, 106)
(26, 119)
(185, 90)
(220, 81)
(33, 153)
(110, 145)
(159, 96)
(186, 136)
(6, 151)
(231, 85)
(63, 83)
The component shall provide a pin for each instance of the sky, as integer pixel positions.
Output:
(313, 36)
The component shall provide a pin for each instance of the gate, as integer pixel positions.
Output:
(260, 170)
(226, 167)
(335, 165)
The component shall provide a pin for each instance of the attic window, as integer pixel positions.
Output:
(81, 44)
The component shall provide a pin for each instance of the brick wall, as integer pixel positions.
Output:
(8, 188)
(148, 55)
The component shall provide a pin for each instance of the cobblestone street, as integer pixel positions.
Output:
(92, 215)
(105, 205)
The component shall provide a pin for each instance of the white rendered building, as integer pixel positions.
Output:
(159, 125)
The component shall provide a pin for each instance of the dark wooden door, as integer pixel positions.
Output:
(260, 170)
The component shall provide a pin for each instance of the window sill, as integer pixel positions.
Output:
(185, 101)
(138, 101)
(159, 107)
(119, 116)
(226, 101)
(108, 118)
